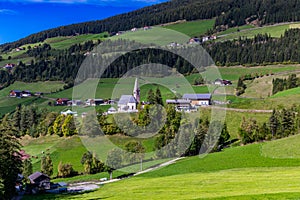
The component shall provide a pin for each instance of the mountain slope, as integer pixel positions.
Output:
(229, 13)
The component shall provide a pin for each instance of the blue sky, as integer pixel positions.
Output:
(20, 18)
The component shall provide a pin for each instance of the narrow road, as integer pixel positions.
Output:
(92, 185)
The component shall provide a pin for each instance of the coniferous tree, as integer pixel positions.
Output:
(158, 97)
(151, 97)
(10, 159)
(27, 168)
(46, 165)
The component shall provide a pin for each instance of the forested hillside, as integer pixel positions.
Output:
(228, 13)
(262, 49)
(53, 65)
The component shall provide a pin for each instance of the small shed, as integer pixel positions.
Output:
(111, 110)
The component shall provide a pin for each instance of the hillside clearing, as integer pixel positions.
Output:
(193, 28)
(156, 35)
(273, 30)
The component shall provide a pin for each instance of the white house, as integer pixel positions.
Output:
(198, 99)
(68, 112)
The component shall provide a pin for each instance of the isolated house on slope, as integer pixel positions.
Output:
(15, 93)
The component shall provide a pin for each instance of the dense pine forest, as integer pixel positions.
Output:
(228, 13)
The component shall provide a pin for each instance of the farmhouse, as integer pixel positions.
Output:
(198, 99)
(40, 180)
(26, 93)
(222, 82)
(9, 66)
(75, 103)
(194, 41)
(15, 93)
(180, 104)
(94, 102)
(62, 101)
(19, 93)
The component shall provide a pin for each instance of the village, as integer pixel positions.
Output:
(128, 103)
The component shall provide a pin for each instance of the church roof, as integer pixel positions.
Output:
(125, 99)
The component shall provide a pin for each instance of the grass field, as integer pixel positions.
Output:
(156, 35)
(193, 28)
(284, 148)
(68, 150)
(45, 87)
(235, 29)
(273, 30)
(66, 42)
(236, 173)
(287, 93)
(9, 104)
(233, 73)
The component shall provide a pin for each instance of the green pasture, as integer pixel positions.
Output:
(193, 28)
(273, 30)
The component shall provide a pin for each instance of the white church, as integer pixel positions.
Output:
(128, 103)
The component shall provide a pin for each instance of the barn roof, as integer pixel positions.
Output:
(197, 96)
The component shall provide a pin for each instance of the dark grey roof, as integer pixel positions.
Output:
(36, 175)
(197, 96)
(125, 99)
(17, 91)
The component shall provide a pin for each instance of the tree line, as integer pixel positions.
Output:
(282, 123)
(281, 84)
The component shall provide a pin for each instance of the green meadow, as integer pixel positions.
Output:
(193, 28)
(235, 29)
(66, 42)
(244, 172)
(273, 30)
(156, 35)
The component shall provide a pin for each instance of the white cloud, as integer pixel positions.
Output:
(7, 12)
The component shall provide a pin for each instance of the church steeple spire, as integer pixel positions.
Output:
(136, 91)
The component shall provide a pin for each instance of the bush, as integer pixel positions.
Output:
(66, 170)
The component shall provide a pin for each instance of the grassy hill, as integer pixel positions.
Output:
(287, 93)
(237, 173)
(9, 104)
